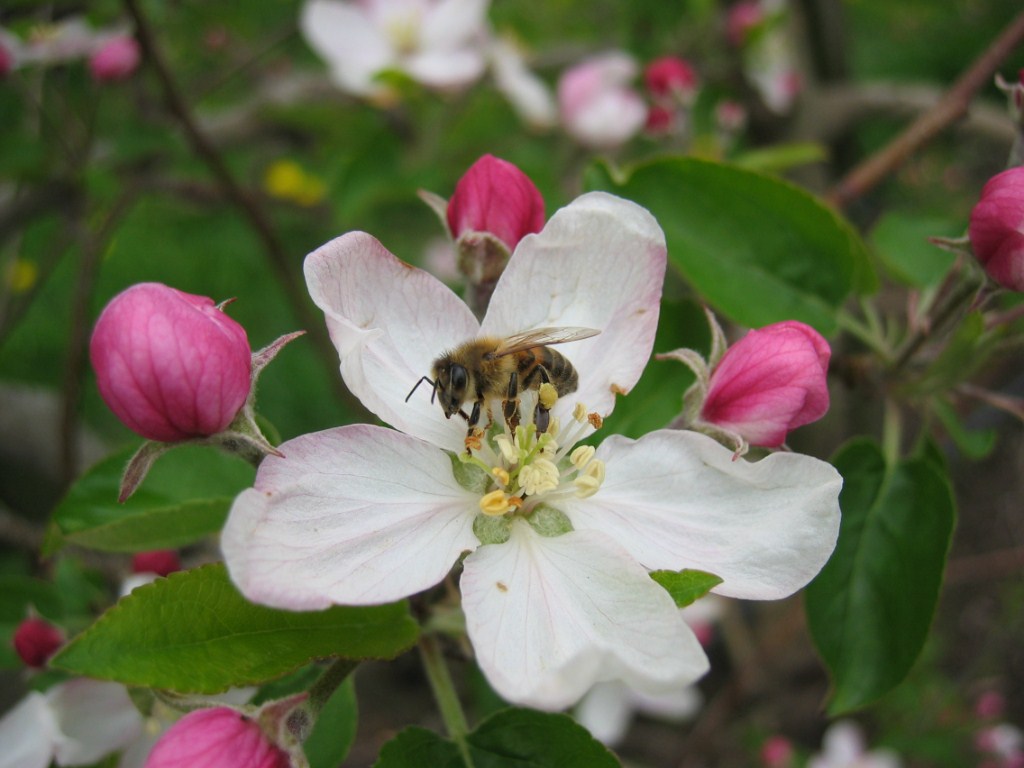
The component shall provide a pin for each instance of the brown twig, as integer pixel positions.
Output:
(280, 261)
(75, 365)
(952, 107)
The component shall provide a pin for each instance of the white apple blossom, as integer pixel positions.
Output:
(73, 723)
(439, 43)
(529, 96)
(843, 747)
(560, 539)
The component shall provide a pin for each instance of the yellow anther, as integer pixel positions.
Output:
(586, 486)
(539, 476)
(595, 469)
(495, 503)
(554, 427)
(580, 412)
(501, 475)
(548, 395)
(473, 442)
(582, 455)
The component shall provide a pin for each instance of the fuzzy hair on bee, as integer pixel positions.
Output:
(492, 368)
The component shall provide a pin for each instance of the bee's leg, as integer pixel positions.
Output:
(510, 405)
(542, 415)
(473, 432)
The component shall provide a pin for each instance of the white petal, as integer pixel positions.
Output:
(675, 706)
(354, 515)
(389, 321)
(354, 48)
(28, 733)
(451, 24)
(96, 718)
(445, 69)
(598, 263)
(550, 617)
(528, 94)
(677, 500)
(606, 711)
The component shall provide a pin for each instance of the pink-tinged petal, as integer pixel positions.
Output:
(771, 381)
(28, 733)
(116, 59)
(494, 196)
(550, 617)
(389, 321)
(997, 228)
(597, 105)
(95, 718)
(445, 69)
(170, 364)
(218, 737)
(598, 263)
(677, 500)
(354, 515)
(354, 48)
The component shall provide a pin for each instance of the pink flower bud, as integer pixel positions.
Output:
(6, 60)
(495, 196)
(159, 561)
(669, 77)
(997, 228)
(598, 106)
(769, 382)
(660, 120)
(36, 640)
(170, 365)
(116, 59)
(777, 752)
(218, 737)
(743, 16)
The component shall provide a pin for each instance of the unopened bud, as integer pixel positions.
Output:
(159, 561)
(115, 59)
(36, 640)
(220, 737)
(170, 365)
(997, 228)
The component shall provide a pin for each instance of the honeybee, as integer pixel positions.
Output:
(491, 368)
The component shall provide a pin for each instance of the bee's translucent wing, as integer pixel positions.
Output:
(542, 337)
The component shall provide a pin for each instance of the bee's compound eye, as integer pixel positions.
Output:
(459, 378)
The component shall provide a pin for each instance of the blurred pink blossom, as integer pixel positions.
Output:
(218, 737)
(777, 752)
(115, 59)
(770, 382)
(843, 747)
(670, 77)
(494, 196)
(158, 561)
(36, 640)
(169, 364)
(742, 17)
(598, 104)
(997, 228)
(660, 120)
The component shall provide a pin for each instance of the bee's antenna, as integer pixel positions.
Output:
(432, 383)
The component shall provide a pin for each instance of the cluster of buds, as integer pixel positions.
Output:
(112, 54)
(672, 85)
(175, 368)
(755, 392)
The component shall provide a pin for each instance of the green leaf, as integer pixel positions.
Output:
(335, 729)
(185, 497)
(973, 443)
(870, 608)
(759, 249)
(194, 633)
(658, 397)
(686, 586)
(902, 243)
(531, 739)
(417, 747)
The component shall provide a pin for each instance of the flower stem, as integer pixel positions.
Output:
(444, 692)
(328, 683)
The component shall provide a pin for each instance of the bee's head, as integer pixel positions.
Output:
(451, 382)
